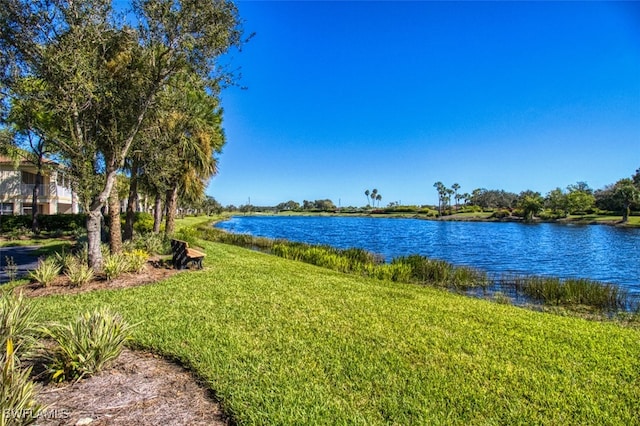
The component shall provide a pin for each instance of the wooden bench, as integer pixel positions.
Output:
(182, 255)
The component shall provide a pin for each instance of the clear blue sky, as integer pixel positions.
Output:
(347, 96)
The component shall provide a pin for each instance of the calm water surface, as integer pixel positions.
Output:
(603, 253)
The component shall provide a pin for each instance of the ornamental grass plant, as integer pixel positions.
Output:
(85, 346)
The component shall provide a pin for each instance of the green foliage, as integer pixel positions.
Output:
(188, 234)
(115, 265)
(10, 268)
(149, 243)
(17, 395)
(441, 273)
(66, 259)
(530, 203)
(48, 222)
(17, 323)
(413, 269)
(79, 273)
(86, 345)
(500, 214)
(136, 260)
(288, 343)
(573, 292)
(46, 271)
(142, 222)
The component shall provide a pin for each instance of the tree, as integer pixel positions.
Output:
(556, 200)
(27, 142)
(531, 203)
(448, 192)
(625, 193)
(289, 205)
(441, 194)
(455, 188)
(367, 192)
(378, 199)
(187, 131)
(580, 198)
(99, 80)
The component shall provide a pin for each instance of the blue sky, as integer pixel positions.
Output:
(346, 96)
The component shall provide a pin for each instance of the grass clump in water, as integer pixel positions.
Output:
(573, 292)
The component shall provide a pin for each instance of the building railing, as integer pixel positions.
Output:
(27, 189)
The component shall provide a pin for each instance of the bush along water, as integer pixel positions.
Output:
(572, 292)
(411, 269)
(569, 293)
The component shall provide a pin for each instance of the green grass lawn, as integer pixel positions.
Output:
(282, 342)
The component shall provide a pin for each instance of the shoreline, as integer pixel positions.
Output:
(479, 217)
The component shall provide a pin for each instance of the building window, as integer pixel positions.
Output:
(28, 178)
(6, 209)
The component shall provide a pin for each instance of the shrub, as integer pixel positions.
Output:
(66, 259)
(188, 234)
(143, 222)
(17, 402)
(62, 222)
(11, 222)
(10, 268)
(152, 243)
(79, 273)
(17, 233)
(572, 292)
(500, 214)
(17, 324)
(114, 265)
(136, 260)
(47, 271)
(85, 346)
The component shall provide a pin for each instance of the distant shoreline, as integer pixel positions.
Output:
(634, 221)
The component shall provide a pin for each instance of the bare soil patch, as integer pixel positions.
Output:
(139, 388)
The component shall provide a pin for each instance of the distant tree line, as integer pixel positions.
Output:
(578, 199)
(621, 197)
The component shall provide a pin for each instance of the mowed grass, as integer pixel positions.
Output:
(283, 342)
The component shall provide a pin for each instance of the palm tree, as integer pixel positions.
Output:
(455, 188)
(188, 133)
(441, 193)
(367, 194)
(378, 198)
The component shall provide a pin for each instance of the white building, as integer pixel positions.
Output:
(16, 189)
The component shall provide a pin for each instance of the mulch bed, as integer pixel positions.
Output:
(138, 389)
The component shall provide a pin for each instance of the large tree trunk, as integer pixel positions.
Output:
(626, 208)
(172, 204)
(94, 229)
(132, 202)
(115, 230)
(157, 213)
(94, 225)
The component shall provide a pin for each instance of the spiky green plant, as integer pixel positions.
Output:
(46, 271)
(136, 260)
(86, 345)
(65, 259)
(114, 265)
(17, 402)
(17, 324)
(79, 273)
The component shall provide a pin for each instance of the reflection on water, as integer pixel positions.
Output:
(598, 252)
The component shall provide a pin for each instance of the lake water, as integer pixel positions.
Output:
(599, 252)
